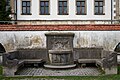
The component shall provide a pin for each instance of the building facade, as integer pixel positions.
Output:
(65, 11)
(84, 20)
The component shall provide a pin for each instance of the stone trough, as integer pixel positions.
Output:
(60, 50)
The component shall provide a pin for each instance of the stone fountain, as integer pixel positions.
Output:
(60, 50)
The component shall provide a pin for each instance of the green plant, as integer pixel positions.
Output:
(1, 70)
(118, 69)
(106, 77)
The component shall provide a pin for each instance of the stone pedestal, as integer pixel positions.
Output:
(60, 50)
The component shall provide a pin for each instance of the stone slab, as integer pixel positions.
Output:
(87, 71)
(60, 67)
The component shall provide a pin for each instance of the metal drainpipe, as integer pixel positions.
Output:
(16, 10)
(111, 11)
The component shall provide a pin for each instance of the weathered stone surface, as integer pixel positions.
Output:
(109, 63)
(63, 53)
(7, 71)
(112, 70)
(32, 54)
(88, 71)
(88, 53)
(60, 50)
(15, 59)
(12, 40)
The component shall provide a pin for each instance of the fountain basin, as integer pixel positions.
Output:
(60, 59)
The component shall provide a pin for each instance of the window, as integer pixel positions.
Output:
(99, 7)
(0, 3)
(62, 8)
(44, 7)
(7, 2)
(80, 7)
(26, 8)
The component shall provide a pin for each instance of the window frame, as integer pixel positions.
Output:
(85, 7)
(103, 6)
(7, 2)
(26, 7)
(44, 7)
(67, 6)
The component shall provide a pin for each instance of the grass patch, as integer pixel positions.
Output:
(1, 72)
(107, 77)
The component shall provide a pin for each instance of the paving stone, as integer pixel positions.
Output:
(88, 71)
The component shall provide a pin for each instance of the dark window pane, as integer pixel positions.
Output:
(60, 10)
(96, 3)
(46, 4)
(96, 9)
(7, 2)
(78, 3)
(28, 9)
(24, 4)
(42, 4)
(82, 3)
(24, 10)
(46, 10)
(101, 3)
(42, 10)
(60, 3)
(101, 10)
(83, 10)
(78, 10)
(65, 10)
(65, 3)
(28, 3)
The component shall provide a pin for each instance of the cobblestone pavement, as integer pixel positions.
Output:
(88, 71)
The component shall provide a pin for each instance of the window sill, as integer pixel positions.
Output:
(26, 14)
(80, 14)
(100, 14)
(44, 14)
(62, 14)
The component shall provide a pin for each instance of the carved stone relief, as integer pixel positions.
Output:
(60, 43)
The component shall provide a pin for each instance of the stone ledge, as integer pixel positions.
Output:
(59, 34)
(60, 67)
(60, 51)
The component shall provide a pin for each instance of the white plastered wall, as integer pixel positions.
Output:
(72, 11)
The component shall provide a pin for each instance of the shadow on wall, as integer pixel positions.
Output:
(117, 48)
(2, 50)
